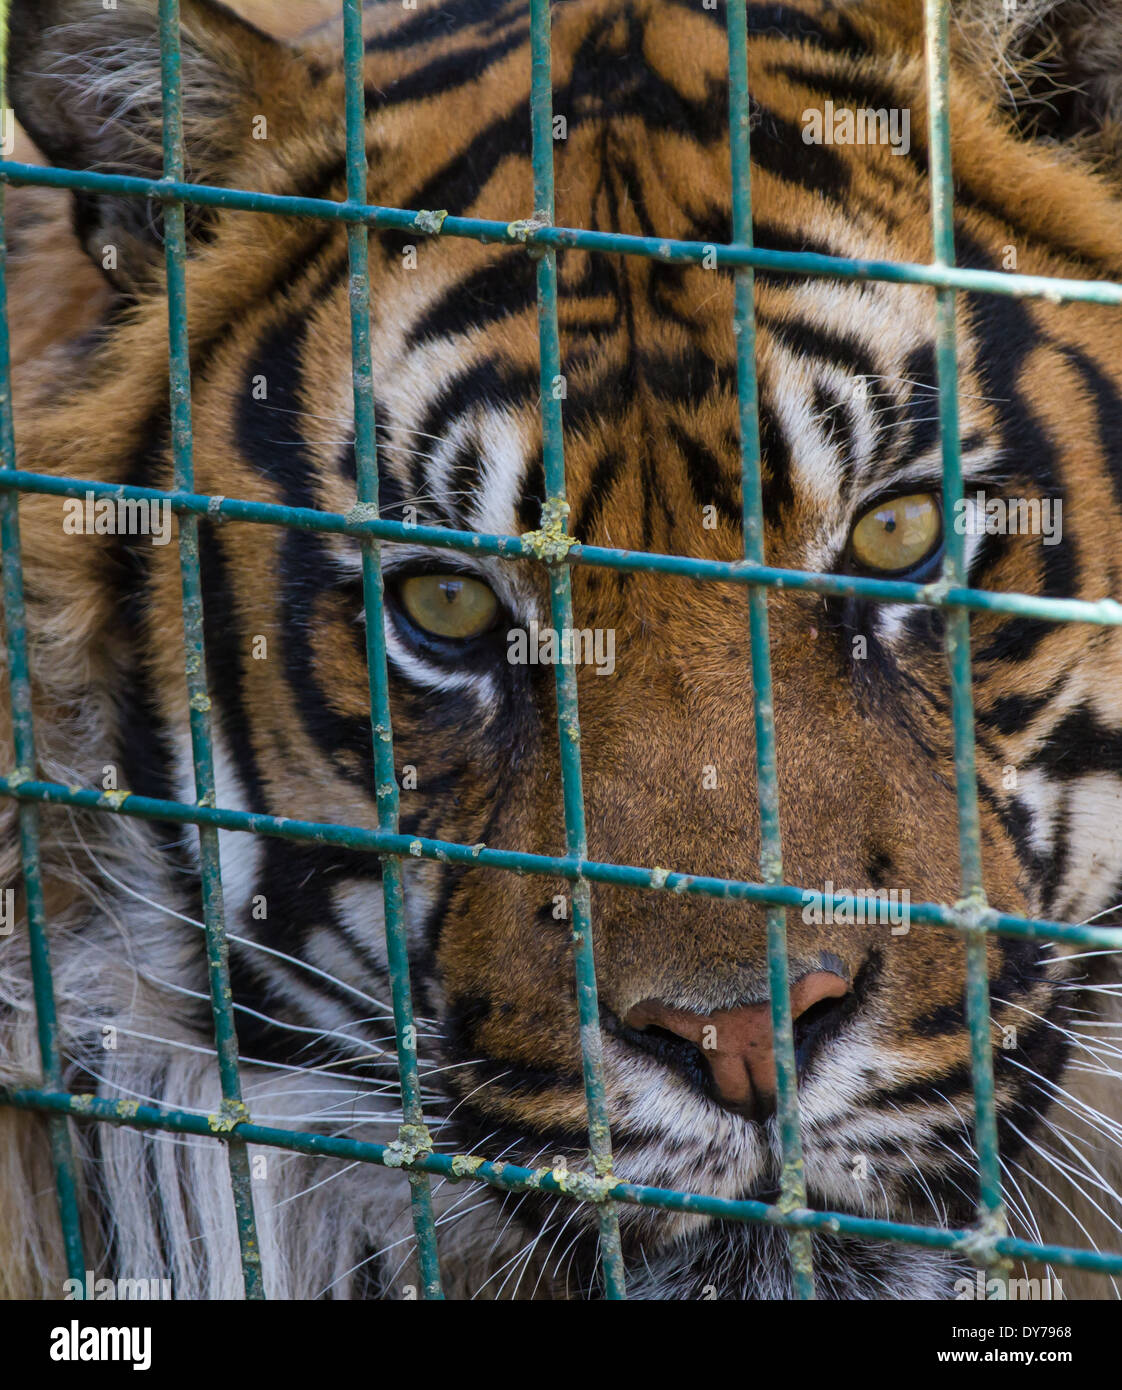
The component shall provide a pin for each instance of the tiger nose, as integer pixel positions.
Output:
(737, 1043)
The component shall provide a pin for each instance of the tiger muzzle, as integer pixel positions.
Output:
(736, 1044)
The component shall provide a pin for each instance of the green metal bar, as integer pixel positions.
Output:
(202, 751)
(561, 611)
(380, 842)
(792, 1178)
(1105, 612)
(991, 1213)
(1057, 290)
(19, 692)
(23, 734)
(413, 1131)
(513, 1178)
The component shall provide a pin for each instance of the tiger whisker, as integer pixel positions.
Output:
(240, 940)
(572, 1216)
(1065, 1171)
(284, 1201)
(1108, 1128)
(1021, 1209)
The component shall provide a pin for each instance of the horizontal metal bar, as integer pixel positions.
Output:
(527, 233)
(576, 1186)
(555, 866)
(1104, 612)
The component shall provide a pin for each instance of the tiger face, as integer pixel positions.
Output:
(851, 483)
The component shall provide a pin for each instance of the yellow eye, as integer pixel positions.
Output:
(449, 605)
(898, 535)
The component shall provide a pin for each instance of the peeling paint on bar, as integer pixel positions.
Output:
(527, 232)
(792, 1180)
(551, 543)
(511, 1177)
(413, 1137)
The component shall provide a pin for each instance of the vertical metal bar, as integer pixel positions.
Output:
(202, 752)
(990, 1209)
(793, 1181)
(23, 734)
(561, 610)
(366, 468)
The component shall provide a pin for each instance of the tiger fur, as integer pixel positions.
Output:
(652, 454)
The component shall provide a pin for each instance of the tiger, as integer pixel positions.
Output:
(851, 485)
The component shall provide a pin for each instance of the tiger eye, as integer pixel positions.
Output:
(899, 534)
(454, 606)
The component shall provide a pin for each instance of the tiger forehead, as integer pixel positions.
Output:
(640, 116)
(655, 412)
(648, 377)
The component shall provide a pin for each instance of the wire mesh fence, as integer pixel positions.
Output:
(986, 1243)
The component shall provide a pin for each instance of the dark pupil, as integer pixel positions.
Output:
(451, 588)
(890, 523)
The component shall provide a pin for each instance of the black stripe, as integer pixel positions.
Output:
(459, 182)
(918, 415)
(1108, 407)
(499, 290)
(225, 662)
(372, 1278)
(810, 340)
(444, 21)
(781, 21)
(464, 1016)
(706, 476)
(147, 749)
(779, 493)
(605, 474)
(492, 383)
(779, 148)
(956, 1082)
(1017, 816)
(834, 417)
(770, 236)
(269, 439)
(450, 71)
(1079, 746)
(532, 500)
(786, 21)
(1010, 714)
(613, 79)
(1031, 1097)
(267, 432)
(1005, 335)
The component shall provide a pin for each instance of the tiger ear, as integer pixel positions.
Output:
(1058, 67)
(85, 85)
